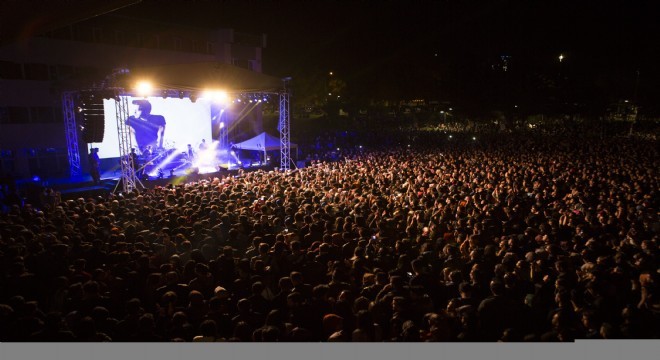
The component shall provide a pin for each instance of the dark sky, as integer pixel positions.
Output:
(447, 49)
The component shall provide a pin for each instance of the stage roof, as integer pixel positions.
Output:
(205, 75)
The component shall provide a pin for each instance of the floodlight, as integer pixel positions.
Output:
(144, 88)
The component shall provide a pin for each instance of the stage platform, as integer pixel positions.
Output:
(83, 186)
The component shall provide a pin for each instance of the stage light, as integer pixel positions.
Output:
(215, 95)
(222, 125)
(474, 138)
(144, 88)
(36, 178)
(451, 136)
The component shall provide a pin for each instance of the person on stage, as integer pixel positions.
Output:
(190, 153)
(135, 162)
(94, 165)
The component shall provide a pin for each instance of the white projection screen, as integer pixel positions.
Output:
(186, 122)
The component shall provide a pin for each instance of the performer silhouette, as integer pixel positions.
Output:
(147, 128)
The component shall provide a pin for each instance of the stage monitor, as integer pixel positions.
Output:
(158, 124)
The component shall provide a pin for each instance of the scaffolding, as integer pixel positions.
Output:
(71, 132)
(129, 180)
(283, 126)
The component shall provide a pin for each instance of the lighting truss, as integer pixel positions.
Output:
(128, 178)
(285, 139)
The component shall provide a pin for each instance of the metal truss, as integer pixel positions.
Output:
(129, 179)
(285, 135)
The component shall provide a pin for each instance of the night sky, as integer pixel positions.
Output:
(450, 50)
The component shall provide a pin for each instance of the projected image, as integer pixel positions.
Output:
(158, 125)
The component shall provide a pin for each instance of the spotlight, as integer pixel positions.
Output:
(222, 125)
(215, 95)
(144, 88)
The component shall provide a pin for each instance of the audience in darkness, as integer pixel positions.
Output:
(518, 237)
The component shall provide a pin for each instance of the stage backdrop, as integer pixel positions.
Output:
(186, 122)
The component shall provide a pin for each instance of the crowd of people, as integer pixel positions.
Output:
(511, 238)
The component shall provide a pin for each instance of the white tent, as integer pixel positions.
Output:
(262, 142)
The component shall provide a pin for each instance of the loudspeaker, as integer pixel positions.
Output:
(92, 116)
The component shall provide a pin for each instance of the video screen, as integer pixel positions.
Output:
(158, 124)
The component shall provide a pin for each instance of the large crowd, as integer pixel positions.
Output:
(512, 238)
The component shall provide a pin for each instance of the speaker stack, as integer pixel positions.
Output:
(93, 118)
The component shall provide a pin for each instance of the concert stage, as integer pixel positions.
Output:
(71, 188)
(157, 123)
